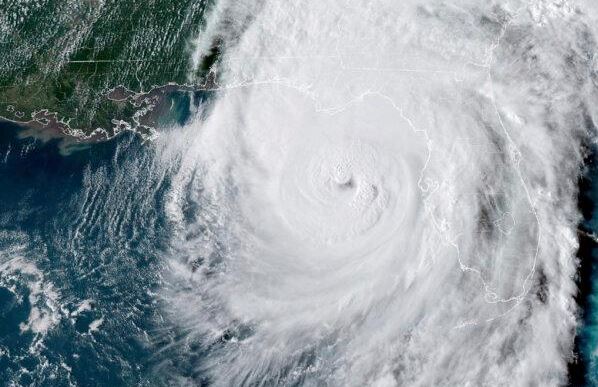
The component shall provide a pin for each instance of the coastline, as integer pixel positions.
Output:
(170, 104)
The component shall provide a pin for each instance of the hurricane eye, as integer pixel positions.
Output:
(346, 185)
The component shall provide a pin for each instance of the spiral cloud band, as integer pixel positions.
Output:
(383, 193)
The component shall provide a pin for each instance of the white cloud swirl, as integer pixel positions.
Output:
(386, 194)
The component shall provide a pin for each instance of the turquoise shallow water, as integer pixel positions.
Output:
(585, 371)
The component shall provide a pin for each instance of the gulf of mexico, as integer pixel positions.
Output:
(79, 250)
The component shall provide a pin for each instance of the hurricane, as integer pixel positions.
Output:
(383, 193)
(368, 193)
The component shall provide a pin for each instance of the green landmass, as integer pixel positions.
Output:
(65, 56)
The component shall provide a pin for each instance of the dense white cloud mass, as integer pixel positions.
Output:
(384, 193)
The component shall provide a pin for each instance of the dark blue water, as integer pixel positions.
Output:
(584, 369)
(82, 240)
(86, 253)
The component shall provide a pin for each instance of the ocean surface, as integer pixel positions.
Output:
(380, 194)
(79, 260)
(585, 370)
(80, 267)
